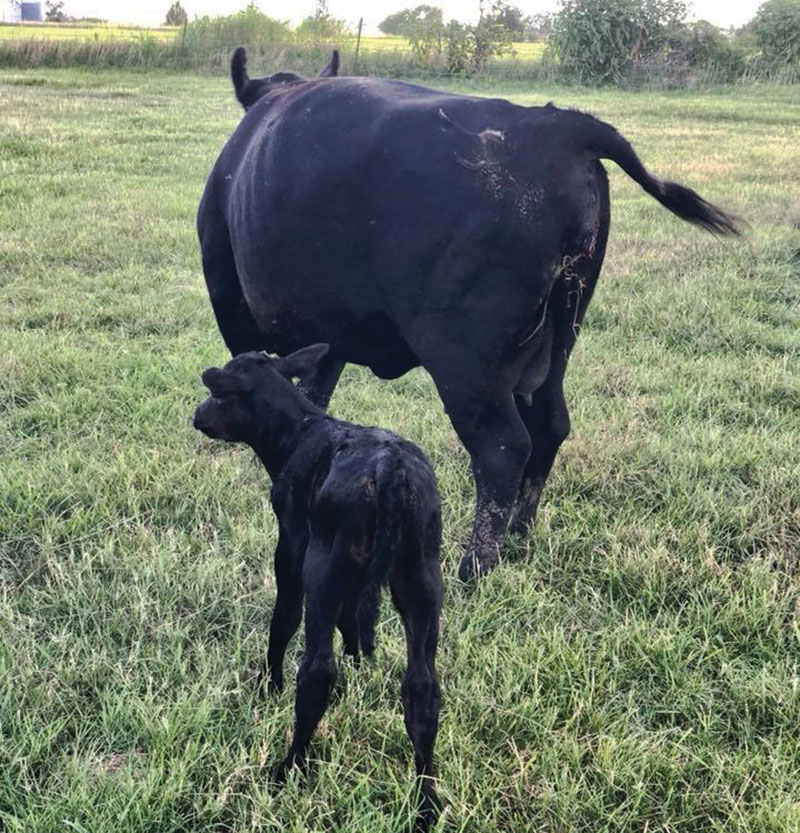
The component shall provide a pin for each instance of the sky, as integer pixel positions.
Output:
(151, 12)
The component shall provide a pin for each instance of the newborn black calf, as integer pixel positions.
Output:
(356, 507)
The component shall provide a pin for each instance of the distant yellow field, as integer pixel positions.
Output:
(528, 51)
(78, 31)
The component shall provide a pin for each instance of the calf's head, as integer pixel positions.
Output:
(253, 399)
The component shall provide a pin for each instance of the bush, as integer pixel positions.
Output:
(320, 29)
(596, 40)
(698, 46)
(777, 32)
(249, 27)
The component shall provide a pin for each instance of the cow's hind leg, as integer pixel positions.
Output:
(545, 415)
(490, 427)
(547, 421)
(417, 594)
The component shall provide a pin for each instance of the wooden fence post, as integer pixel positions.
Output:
(358, 45)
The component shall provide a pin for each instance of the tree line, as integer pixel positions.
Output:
(603, 40)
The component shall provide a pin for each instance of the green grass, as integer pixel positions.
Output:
(633, 666)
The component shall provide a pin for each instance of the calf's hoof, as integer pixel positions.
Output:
(266, 682)
(428, 811)
(279, 774)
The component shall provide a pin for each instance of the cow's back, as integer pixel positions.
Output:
(357, 207)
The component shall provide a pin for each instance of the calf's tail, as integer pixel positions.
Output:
(387, 543)
(603, 141)
(390, 523)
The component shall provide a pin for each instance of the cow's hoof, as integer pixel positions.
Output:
(473, 567)
(520, 525)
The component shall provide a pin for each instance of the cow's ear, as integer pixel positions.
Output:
(222, 383)
(299, 364)
(332, 70)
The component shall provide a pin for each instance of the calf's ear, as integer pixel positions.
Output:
(222, 383)
(299, 364)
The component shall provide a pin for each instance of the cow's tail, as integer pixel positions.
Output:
(604, 142)
(239, 74)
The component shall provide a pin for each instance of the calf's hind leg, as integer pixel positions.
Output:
(326, 585)
(286, 615)
(417, 594)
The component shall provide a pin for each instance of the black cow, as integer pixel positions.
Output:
(356, 507)
(405, 227)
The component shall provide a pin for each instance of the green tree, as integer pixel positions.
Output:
(176, 16)
(777, 32)
(54, 11)
(469, 48)
(596, 40)
(423, 26)
(411, 22)
(509, 17)
(539, 26)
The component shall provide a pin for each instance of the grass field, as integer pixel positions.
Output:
(633, 666)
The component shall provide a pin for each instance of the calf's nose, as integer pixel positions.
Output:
(201, 421)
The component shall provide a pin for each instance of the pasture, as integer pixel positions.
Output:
(634, 665)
